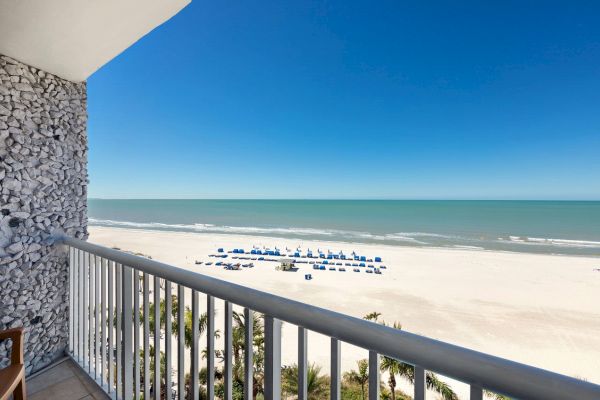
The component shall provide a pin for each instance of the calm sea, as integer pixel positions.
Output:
(562, 227)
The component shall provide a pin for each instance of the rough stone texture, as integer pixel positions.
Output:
(43, 189)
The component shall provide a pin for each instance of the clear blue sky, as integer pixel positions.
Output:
(344, 99)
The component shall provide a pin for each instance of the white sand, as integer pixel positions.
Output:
(543, 310)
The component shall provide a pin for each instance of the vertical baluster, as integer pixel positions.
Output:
(302, 364)
(419, 383)
(168, 334)
(111, 332)
(476, 393)
(86, 310)
(272, 358)
(194, 347)
(335, 369)
(156, 385)
(181, 341)
(136, 332)
(228, 344)
(79, 291)
(77, 303)
(103, 321)
(248, 354)
(210, 347)
(97, 341)
(91, 310)
(71, 302)
(146, 336)
(81, 299)
(127, 346)
(118, 331)
(374, 375)
(76, 300)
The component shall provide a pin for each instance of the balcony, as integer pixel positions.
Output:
(111, 342)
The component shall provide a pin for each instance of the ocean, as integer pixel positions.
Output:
(556, 227)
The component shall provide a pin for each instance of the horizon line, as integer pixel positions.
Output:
(337, 199)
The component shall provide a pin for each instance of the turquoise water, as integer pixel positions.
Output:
(562, 227)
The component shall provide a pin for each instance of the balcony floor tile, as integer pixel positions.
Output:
(65, 381)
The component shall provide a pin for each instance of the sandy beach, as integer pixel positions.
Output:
(543, 310)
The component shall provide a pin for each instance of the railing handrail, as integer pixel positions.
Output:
(476, 368)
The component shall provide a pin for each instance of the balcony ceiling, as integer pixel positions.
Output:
(73, 38)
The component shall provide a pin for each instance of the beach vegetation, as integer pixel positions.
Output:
(406, 371)
(317, 383)
(355, 382)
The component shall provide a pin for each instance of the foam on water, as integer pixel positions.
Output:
(553, 242)
(249, 230)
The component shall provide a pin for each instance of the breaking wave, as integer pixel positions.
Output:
(409, 237)
(405, 238)
(552, 242)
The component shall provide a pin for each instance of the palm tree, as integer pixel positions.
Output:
(188, 334)
(434, 383)
(495, 396)
(396, 367)
(359, 377)
(372, 316)
(317, 384)
(163, 364)
(258, 350)
(238, 350)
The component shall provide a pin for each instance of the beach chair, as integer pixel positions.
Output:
(356, 270)
(220, 250)
(369, 271)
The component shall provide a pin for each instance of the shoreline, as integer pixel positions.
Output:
(346, 242)
(537, 309)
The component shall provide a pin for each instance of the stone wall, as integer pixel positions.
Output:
(43, 189)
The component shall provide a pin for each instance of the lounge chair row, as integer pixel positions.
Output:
(299, 255)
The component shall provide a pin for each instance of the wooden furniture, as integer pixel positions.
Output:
(12, 378)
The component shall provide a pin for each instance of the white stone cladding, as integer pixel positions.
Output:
(43, 190)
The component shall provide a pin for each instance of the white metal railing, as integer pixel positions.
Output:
(102, 292)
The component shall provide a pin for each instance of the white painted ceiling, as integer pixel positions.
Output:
(73, 38)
